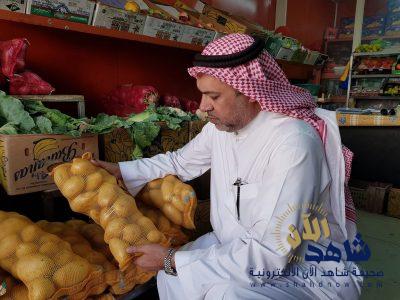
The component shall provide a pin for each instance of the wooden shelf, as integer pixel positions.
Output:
(333, 99)
(377, 97)
(364, 39)
(376, 76)
(88, 29)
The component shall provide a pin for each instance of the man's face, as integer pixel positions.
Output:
(226, 108)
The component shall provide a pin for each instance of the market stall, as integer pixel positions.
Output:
(83, 80)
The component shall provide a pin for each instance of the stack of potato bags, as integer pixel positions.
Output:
(77, 260)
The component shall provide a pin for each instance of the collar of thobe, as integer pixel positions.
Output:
(251, 127)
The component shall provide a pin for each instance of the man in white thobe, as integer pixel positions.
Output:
(264, 158)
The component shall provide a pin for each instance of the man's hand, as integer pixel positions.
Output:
(152, 256)
(112, 168)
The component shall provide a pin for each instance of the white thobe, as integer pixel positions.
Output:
(282, 161)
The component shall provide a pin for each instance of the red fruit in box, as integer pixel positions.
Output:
(398, 67)
(169, 100)
(127, 99)
(12, 56)
(29, 83)
(189, 105)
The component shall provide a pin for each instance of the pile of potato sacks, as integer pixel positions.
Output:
(79, 260)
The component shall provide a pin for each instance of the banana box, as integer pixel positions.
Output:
(27, 159)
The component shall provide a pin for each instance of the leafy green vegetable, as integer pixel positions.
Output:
(12, 110)
(44, 125)
(104, 123)
(8, 128)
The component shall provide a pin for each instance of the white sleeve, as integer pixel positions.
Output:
(293, 177)
(187, 163)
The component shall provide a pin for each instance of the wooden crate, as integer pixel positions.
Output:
(394, 203)
(78, 99)
(195, 127)
(370, 196)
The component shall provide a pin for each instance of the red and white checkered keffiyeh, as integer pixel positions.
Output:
(263, 80)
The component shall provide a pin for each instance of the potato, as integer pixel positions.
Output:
(93, 181)
(9, 263)
(157, 198)
(144, 196)
(72, 273)
(154, 236)
(49, 238)
(34, 266)
(72, 239)
(31, 233)
(20, 292)
(82, 166)
(75, 223)
(131, 233)
(172, 214)
(25, 249)
(63, 257)
(49, 248)
(155, 184)
(107, 194)
(83, 202)
(12, 225)
(82, 249)
(163, 223)
(124, 206)
(107, 177)
(114, 229)
(8, 245)
(61, 174)
(95, 214)
(41, 289)
(3, 216)
(118, 249)
(178, 203)
(73, 187)
(152, 215)
(106, 215)
(145, 223)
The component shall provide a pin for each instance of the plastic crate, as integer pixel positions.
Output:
(370, 196)
(394, 203)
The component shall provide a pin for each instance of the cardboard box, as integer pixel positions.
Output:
(27, 159)
(80, 11)
(163, 29)
(118, 19)
(13, 5)
(197, 36)
(346, 28)
(118, 145)
(121, 3)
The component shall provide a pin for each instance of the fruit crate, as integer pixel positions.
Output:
(370, 196)
(394, 203)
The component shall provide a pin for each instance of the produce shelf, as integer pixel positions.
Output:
(378, 97)
(376, 76)
(88, 29)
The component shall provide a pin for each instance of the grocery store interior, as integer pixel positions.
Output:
(109, 77)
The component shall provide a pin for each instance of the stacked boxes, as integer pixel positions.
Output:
(13, 5)
(80, 11)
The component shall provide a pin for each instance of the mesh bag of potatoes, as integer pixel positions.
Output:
(172, 231)
(10, 288)
(95, 235)
(94, 192)
(177, 200)
(83, 248)
(42, 261)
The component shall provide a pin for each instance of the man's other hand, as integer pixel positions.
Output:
(151, 256)
(112, 168)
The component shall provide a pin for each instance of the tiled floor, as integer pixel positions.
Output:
(382, 234)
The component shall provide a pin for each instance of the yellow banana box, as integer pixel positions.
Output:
(27, 159)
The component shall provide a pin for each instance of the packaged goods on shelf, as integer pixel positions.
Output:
(71, 10)
(118, 19)
(346, 28)
(13, 5)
